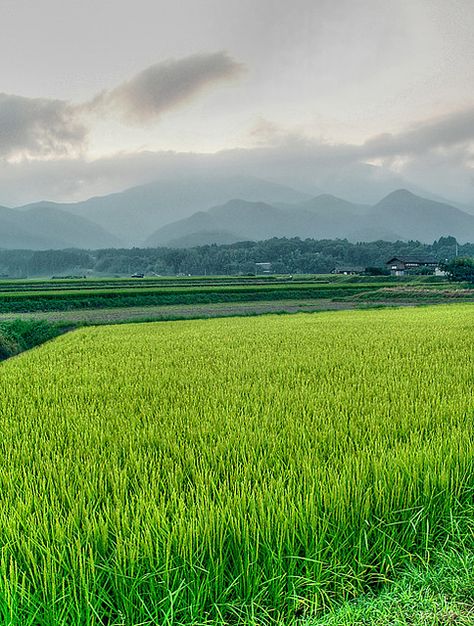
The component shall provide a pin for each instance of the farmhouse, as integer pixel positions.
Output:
(348, 270)
(399, 265)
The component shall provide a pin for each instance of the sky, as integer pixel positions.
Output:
(98, 95)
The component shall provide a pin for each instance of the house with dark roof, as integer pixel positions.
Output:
(399, 265)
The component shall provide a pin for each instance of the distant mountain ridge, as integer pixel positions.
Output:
(401, 215)
(47, 227)
(204, 208)
(132, 215)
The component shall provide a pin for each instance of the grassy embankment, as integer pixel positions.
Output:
(439, 593)
(243, 471)
(19, 335)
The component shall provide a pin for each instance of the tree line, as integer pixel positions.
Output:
(292, 256)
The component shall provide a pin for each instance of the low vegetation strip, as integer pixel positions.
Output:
(232, 471)
(69, 300)
(120, 283)
(418, 293)
(278, 287)
(91, 284)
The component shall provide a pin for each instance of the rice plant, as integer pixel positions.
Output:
(231, 471)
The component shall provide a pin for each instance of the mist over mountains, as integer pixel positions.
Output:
(210, 209)
(134, 214)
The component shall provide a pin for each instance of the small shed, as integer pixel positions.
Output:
(348, 270)
(263, 268)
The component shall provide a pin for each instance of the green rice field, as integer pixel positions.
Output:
(232, 471)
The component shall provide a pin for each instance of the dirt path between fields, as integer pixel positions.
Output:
(133, 314)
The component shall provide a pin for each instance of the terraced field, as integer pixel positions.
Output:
(41, 296)
(112, 297)
(232, 471)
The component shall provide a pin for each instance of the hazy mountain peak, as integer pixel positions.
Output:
(419, 218)
(239, 203)
(329, 197)
(401, 195)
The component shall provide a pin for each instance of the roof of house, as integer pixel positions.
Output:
(405, 259)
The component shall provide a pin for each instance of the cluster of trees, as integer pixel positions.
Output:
(294, 256)
(460, 269)
(26, 263)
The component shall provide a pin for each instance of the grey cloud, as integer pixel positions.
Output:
(66, 179)
(165, 85)
(38, 127)
(310, 167)
(454, 131)
(443, 132)
(435, 155)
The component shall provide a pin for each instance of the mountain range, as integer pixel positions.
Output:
(204, 209)
(401, 215)
(132, 215)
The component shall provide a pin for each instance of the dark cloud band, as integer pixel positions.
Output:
(166, 85)
(36, 127)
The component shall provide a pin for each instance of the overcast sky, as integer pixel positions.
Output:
(95, 94)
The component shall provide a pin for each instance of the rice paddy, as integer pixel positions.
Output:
(231, 471)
